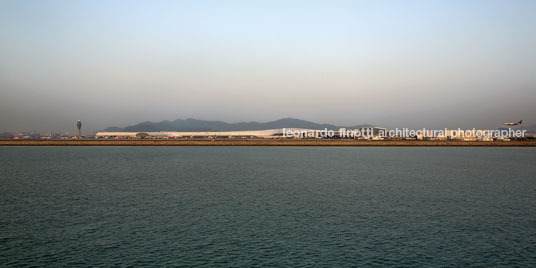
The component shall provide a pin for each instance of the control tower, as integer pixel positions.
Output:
(79, 126)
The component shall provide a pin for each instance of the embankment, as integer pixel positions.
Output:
(263, 143)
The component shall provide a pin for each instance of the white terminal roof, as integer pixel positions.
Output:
(257, 133)
(268, 132)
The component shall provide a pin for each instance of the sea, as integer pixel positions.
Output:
(267, 207)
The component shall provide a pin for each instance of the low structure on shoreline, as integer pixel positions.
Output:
(269, 133)
(281, 133)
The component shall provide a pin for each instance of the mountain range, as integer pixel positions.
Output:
(202, 125)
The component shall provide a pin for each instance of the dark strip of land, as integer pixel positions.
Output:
(267, 142)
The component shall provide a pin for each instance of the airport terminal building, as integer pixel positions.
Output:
(269, 133)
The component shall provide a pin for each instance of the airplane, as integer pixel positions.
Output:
(514, 124)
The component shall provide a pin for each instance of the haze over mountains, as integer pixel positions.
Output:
(203, 125)
(431, 64)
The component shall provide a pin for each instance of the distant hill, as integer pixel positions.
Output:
(202, 125)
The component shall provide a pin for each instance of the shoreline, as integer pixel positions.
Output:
(324, 143)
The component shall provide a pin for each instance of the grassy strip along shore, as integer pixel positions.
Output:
(267, 142)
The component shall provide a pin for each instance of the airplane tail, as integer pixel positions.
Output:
(520, 121)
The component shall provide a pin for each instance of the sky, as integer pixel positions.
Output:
(414, 64)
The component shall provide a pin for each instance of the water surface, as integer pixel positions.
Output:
(267, 206)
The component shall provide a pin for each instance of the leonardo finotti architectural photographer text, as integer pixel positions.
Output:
(402, 133)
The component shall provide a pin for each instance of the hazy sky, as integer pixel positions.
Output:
(390, 63)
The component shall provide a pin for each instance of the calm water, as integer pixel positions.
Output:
(266, 206)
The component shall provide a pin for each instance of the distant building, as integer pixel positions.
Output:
(79, 126)
(270, 133)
